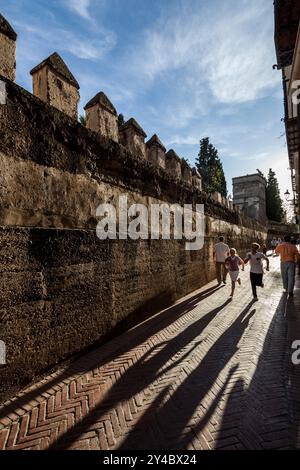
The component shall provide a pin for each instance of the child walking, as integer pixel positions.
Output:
(233, 263)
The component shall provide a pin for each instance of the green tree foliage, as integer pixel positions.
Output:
(82, 120)
(275, 209)
(210, 168)
(121, 120)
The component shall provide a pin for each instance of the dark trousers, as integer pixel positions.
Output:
(256, 280)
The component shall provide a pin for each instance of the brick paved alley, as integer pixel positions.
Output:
(206, 373)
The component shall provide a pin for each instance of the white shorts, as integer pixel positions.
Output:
(234, 275)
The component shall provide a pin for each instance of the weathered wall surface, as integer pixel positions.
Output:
(134, 141)
(61, 288)
(40, 84)
(98, 119)
(62, 94)
(8, 53)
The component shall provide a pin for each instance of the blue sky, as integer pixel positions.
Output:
(184, 69)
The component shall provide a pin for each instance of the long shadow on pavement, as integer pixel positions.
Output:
(140, 376)
(173, 417)
(263, 420)
(292, 312)
(104, 354)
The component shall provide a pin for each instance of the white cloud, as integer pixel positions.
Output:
(81, 7)
(93, 49)
(279, 163)
(80, 45)
(182, 140)
(229, 49)
(115, 92)
(277, 160)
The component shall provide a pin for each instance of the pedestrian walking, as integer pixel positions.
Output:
(221, 252)
(255, 258)
(289, 256)
(296, 243)
(273, 245)
(232, 264)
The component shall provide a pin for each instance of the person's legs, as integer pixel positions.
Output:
(284, 275)
(291, 268)
(253, 284)
(225, 272)
(232, 288)
(233, 276)
(259, 280)
(218, 272)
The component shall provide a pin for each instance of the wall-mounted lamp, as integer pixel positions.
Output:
(287, 195)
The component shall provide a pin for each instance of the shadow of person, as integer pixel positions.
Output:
(100, 355)
(257, 414)
(173, 418)
(292, 315)
(232, 416)
(140, 376)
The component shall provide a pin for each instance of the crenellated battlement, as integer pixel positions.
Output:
(102, 116)
(55, 85)
(8, 39)
(34, 131)
(156, 151)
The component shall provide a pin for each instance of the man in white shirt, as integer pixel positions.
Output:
(221, 252)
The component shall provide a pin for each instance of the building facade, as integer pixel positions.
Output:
(287, 43)
(249, 195)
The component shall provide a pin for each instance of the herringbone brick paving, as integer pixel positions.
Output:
(207, 373)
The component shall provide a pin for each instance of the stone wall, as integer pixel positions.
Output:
(8, 57)
(40, 84)
(62, 94)
(62, 289)
(98, 119)
(53, 83)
